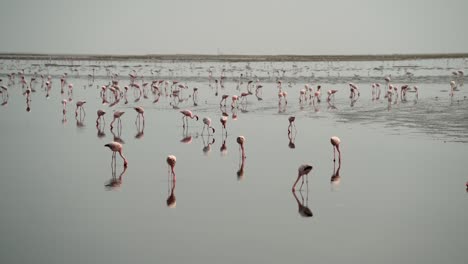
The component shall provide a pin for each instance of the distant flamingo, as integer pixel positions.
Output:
(207, 123)
(303, 170)
(223, 121)
(140, 114)
(335, 141)
(330, 94)
(234, 101)
(187, 114)
(117, 147)
(224, 97)
(100, 115)
(291, 120)
(79, 105)
(240, 140)
(117, 115)
(317, 94)
(453, 87)
(64, 104)
(283, 95)
(171, 162)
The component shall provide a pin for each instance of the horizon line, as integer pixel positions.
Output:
(230, 57)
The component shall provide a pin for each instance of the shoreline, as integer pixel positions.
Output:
(230, 58)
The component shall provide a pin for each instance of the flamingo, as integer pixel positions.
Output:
(117, 147)
(64, 104)
(207, 123)
(303, 170)
(330, 94)
(224, 97)
(317, 94)
(234, 101)
(240, 140)
(223, 121)
(140, 112)
(171, 162)
(79, 105)
(117, 115)
(291, 120)
(187, 114)
(335, 141)
(100, 115)
(453, 87)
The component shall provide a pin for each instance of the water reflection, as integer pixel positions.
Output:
(335, 178)
(80, 120)
(223, 148)
(115, 183)
(171, 199)
(207, 144)
(240, 172)
(303, 204)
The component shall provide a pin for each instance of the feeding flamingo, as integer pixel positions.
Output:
(187, 114)
(117, 147)
(303, 170)
(207, 123)
(335, 141)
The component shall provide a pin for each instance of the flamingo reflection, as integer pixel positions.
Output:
(80, 120)
(303, 207)
(223, 148)
(115, 183)
(240, 173)
(335, 178)
(171, 199)
(207, 144)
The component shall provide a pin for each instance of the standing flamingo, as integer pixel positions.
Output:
(187, 114)
(117, 115)
(100, 115)
(171, 162)
(240, 141)
(453, 87)
(291, 120)
(79, 105)
(207, 123)
(330, 94)
(223, 98)
(303, 170)
(335, 141)
(234, 101)
(64, 104)
(117, 147)
(140, 114)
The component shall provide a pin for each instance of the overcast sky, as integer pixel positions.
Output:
(302, 27)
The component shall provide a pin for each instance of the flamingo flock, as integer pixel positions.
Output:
(112, 94)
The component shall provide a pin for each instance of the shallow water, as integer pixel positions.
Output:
(401, 197)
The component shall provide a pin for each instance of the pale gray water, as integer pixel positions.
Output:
(401, 198)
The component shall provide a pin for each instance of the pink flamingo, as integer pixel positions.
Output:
(282, 95)
(140, 114)
(207, 123)
(171, 162)
(292, 124)
(335, 141)
(223, 121)
(234, 101)
(187, 114)
(117, 115)
(453, 87)
(64, 104)
(241, 140)
(100, 115)
(317, 94)
(303, 170)
(331, 93)
(117, 147)
(224, 97)
(79, 105)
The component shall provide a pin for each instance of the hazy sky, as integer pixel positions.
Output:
(234, 27)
